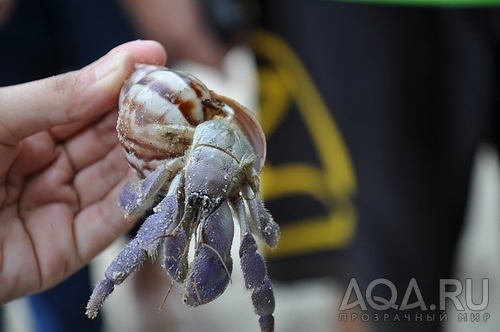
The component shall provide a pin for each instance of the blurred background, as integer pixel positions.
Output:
(354, 190)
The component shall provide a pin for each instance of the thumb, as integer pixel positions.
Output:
(29, 108)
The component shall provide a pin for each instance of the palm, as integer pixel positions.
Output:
(62, 186)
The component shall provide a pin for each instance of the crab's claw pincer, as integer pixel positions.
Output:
(210, 272)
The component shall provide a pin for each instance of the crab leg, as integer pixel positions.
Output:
(162, 222)
(260, 222)
(255, 271)
(137, 196)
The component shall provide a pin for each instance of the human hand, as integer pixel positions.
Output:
(61, 169)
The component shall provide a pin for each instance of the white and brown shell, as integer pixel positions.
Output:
(160, 109)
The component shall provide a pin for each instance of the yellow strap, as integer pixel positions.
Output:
(333, 184)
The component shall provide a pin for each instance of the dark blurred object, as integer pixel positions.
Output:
(231, 19)
(47, 37)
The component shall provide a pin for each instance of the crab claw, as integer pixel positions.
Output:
(210, 272)
(208, 277)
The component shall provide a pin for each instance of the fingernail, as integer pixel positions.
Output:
(108, 66)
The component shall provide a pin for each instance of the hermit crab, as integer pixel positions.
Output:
(197, 156)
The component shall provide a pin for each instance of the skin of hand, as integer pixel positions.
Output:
(6, 8)
(61, 168)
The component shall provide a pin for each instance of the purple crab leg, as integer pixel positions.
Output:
(263, 302)
(255, 271)
(176, 260)
(162, 222)
(137, 196)
(129, 259)
(252, 264)
(261, 223)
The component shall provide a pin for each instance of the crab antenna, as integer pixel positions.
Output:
(166, 296)
(221, 260)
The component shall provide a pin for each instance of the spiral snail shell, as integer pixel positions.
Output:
(160, 109)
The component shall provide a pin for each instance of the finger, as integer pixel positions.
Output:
(75, 96)
(95, 181)
(100, 224)
(93, 143)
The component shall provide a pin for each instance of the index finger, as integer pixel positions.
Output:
(80, 95)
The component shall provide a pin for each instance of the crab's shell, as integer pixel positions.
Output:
(160, 109)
